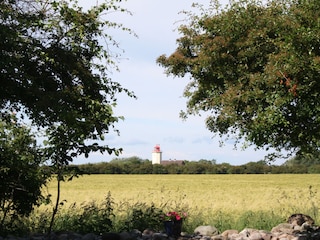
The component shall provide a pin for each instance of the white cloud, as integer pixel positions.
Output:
(154, 117)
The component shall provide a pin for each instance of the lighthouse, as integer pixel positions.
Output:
(156, 155)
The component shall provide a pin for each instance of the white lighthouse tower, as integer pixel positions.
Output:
(156, 155)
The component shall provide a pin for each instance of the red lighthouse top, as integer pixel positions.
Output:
(156, 148)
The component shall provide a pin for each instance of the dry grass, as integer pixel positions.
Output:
(228, 193)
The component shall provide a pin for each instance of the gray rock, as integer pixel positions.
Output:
(299, 219)
(228, 233)
(148, 232)
(89, 236)
(205, 238)
(206, 231)
(255, 236)
(135, 233)
(125, 236)
(38, 237)
(283, 228)
(217, 237)
(69, 236)
(159, 236)
(247, 232)
(110, 236)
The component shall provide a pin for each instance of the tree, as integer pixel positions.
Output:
(55, 65)
(254, 68)
(20, 173)
(304, 159)
(260, 167)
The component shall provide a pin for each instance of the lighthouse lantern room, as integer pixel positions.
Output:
(156, 155)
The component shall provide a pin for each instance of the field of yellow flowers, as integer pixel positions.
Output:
(283, 193)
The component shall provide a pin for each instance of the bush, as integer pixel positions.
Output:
(141, 216)
(21, 177)
(89, 217)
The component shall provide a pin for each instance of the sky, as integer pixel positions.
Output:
(153, 118)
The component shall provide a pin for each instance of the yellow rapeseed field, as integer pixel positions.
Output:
(283, 193)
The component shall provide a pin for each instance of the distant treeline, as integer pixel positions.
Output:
(135, 165)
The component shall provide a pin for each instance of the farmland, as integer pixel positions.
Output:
(281, 194)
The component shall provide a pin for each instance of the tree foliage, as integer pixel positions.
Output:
(20, 172)
(254, 68)
(293, 166)
(56, 59)
(308, 160)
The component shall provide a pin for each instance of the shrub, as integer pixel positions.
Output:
(21, 177)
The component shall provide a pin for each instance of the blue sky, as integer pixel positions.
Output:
(154, 117)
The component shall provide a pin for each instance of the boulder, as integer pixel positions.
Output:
(228, 233)
(247, 232)
(206, 231)
(283, 228)
(217, 237)
(110, 236)
(125, 236)
(158, 236)
(89, 236)
(298, 219)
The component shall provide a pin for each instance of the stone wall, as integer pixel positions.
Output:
(298, 227)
